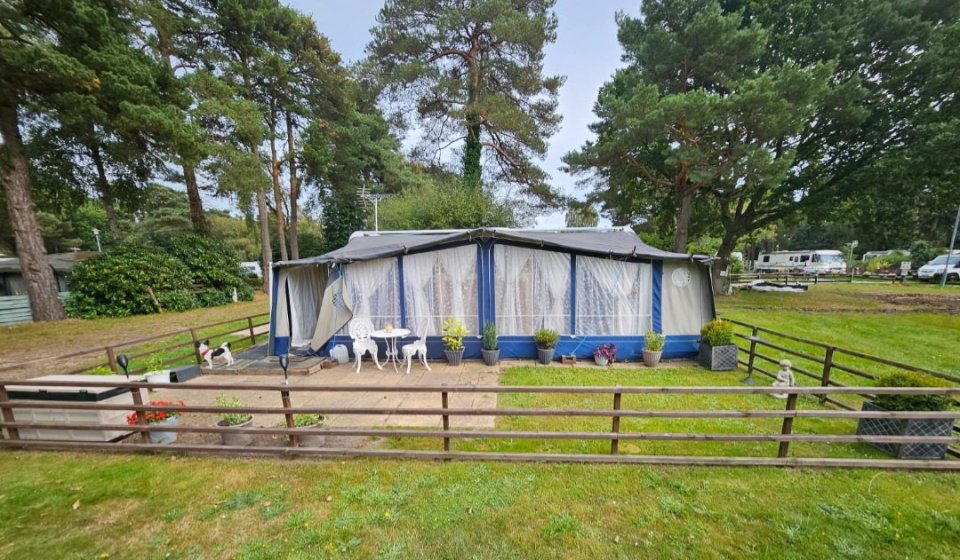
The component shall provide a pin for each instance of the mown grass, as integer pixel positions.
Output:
(176, 507)
(925, 339)
(645, 377)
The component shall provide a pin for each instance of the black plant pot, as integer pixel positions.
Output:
(491, 357)
(545, 355)
(718, 358)
(906, 427)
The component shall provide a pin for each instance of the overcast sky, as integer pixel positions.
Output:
(586, 52)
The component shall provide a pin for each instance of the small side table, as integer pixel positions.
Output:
(391, 339)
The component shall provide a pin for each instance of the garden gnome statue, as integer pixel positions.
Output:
(784, 378)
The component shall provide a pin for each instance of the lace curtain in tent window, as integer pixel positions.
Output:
(372, 290)
(613, 297)
(305, 286)
(532, 290)
(441, 284)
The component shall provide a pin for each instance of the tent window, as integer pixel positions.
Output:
(532, 290)
(441, 284)
(372, 290)
(613, 297)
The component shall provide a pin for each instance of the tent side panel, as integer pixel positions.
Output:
(683, 298)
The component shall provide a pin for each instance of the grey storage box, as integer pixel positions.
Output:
(67, 393)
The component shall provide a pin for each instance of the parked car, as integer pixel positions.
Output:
(934, 269)
(252, 269)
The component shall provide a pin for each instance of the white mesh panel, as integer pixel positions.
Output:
(372, 290)
(532, 290)
(613, 297)
(441, 284)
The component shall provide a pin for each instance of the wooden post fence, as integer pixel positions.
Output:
(7, 413)
(446, 420)
(615, 428)
(285, 398)
(787, 427)
(141, 415)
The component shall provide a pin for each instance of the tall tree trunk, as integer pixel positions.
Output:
(197, 217)
(294, 190)
(723, 261)
(266, 253)
(472, 146)
(683, 221)
(277, 195)
(34, 267)
(106, 197)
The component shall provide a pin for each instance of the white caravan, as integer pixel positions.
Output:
(823, 261)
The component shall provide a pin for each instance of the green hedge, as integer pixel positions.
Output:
(114, 284)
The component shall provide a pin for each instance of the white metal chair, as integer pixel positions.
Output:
(360, 329)
(414, 348)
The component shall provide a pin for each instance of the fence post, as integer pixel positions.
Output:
(446, 421)
(753, 350)
(787, 428)
(141, 415)
(615, 441)
(14, 433)
(253, 337)
(285, 397)
(196, 352)
(111, 359)
(827, 368)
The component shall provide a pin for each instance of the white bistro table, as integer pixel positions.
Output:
(391, 339)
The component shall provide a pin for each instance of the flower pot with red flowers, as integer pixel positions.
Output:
(161, 417)
(605, 354)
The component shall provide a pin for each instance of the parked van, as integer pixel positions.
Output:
(934, 269)
(252, 269)
(821, 261)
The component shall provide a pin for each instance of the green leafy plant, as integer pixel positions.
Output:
(912, 402)
(100, 370)
(153, 363)
(717, 333)
(213, 266)
(546, 338)
(231, 418)
(453, 333)
(489, 336)
(119, 282)
(305, 420)
(654, 341)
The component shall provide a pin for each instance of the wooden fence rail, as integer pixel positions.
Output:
(788, 416)
(111, 352)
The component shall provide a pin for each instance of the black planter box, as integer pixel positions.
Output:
(718, 358)
(184, 373)
(906, 427)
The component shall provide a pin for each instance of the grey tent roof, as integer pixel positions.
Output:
(615, 242)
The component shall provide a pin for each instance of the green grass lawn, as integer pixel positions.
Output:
(68, 505)
(646, 377)
(166, 507)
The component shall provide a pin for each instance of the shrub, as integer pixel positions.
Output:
(489, 336)
(115, 284)
(717, 333)
(453, 333)
(912, 402)
(213, 266)
(546, 338)
(305, 420)
(231, 418)
(654, 341)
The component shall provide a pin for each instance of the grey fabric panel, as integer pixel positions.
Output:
(685, 309)
(602, 243)
(617, 243)
(282, 321)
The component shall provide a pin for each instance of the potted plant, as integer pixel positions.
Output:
(308, 422)
(909, 426)
(453, 333)
(235, 420)
(717, 350)
(605, 354)
(154, 372)
(491, 352)
(546, 340)
(163, 417)
(653, 348)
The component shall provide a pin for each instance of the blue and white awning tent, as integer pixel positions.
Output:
(592, 285)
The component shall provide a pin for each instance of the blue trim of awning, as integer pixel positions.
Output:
(271, 344)
(573, 293)
(657, 318)
(402, 291)
(629, 348)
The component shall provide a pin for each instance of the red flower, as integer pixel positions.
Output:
(155, 416)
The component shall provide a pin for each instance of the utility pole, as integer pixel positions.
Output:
(953, 239)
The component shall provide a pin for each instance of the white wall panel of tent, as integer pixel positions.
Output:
(593, 286)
